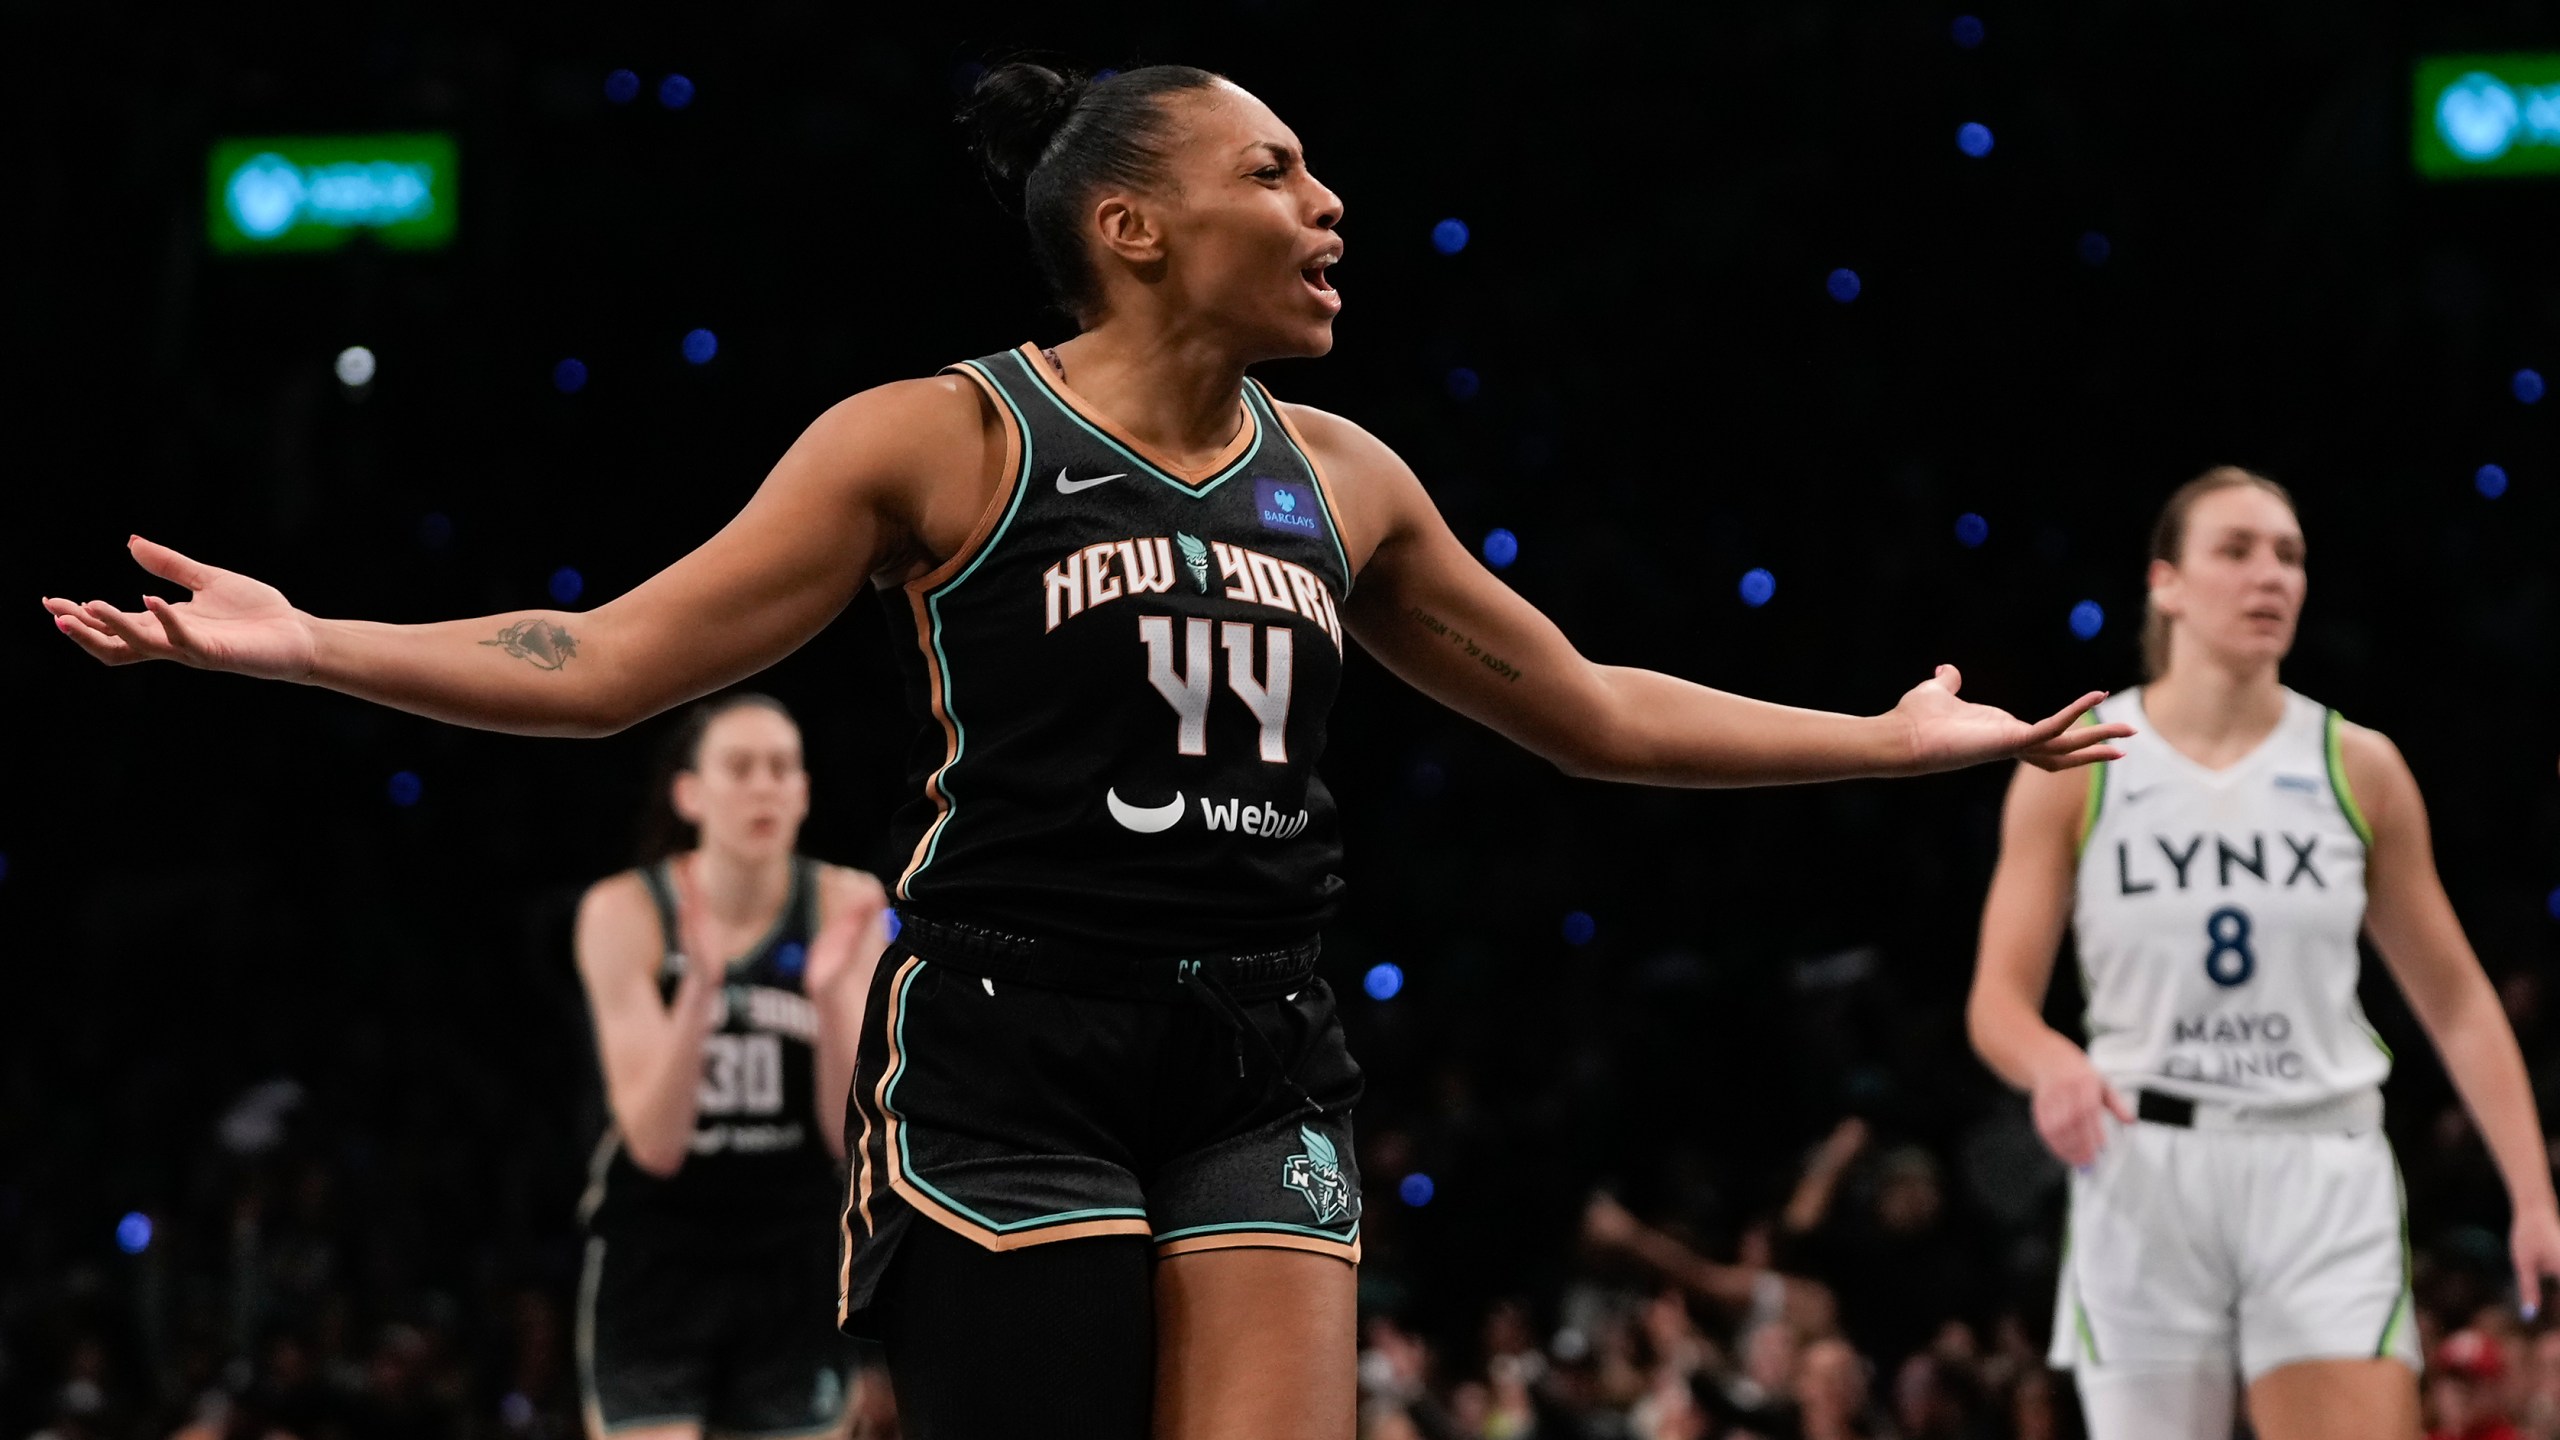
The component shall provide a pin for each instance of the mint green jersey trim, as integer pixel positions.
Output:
(2338, 780)
(2080, 1322)
(1261, 432)
(933, 612)
(1274, 1226)
(1332, 522)
(888, 1103)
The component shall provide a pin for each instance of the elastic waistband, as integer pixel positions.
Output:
(2359, 1111)
(994, 954)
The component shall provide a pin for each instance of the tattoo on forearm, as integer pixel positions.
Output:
(538, 642)
(1459, 640)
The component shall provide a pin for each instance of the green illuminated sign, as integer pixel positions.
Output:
(316, 192)
(2487, 115)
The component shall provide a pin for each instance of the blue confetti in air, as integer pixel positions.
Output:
(1449, 236)
(1501, 547)
(1579, 927)
(567, 585)
(1383, 981)
(1966, 32)
(1464, 383)
(2527, 385)
(621, 87)
(1843, 285)
(2490, 481)
(405, 789)
(1757, 586)
(2087, 619)
(1972, 530)
(133, 1233)
(435, 530)
(2095, 248)
(1416, 1189)
(1974, 138)
(569, 376)
(790, 957)
(700, 346)
(675, 92)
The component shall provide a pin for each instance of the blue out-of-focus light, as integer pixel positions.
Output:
(2087, 619)
(675, 92)
(1384, 980)
(1966, 32)
(133, 1233)
(897, 923)
(2490, 480)
(435, 530)
(4, 865)
(621, 87)
(516, 1411)
(790, 957)
(1416, 1189)
(1103, 74)
(1974, 138)
(1972, 530)
(1427, 778)
(2095, 247)
(1757, 586)
(2551, 902)
(2527, 386)
(569, 376)
(1579, 927)
(1843, 284)
(567, 585)
(405, 788)
(1501, 547)
(1464, 383)
(1449, 236)
(700, 346)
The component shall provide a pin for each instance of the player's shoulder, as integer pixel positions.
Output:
(617, 918)
(2376, 775)
(913, 414)
(1337, 442)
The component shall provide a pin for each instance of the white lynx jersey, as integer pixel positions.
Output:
(2217, 918)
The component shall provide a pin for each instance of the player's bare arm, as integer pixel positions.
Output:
(884, 481)
(1441, 621)
(2412, 923)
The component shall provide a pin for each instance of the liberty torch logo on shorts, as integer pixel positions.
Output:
(1318, 1176)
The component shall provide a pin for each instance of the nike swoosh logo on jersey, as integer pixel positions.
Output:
(1145, 819)
(2131, 794)
(1069, 487)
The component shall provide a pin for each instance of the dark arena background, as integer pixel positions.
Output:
(1791, 346)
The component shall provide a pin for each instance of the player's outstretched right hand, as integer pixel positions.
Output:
(233, 623)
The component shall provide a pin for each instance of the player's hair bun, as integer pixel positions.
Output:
(1014, 112)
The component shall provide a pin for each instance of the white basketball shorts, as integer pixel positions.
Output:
(2236, 1249)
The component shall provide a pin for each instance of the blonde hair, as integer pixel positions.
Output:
(2169, 541)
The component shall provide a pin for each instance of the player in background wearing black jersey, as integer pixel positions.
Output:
(1178, 221)
(726, 977)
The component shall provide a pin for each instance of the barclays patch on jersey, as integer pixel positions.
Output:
(1288, 505)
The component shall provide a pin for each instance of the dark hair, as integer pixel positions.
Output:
(1051, 139)
(2169, 542)
(662, 831)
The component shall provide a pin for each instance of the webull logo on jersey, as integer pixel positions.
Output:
(2188, 863)
(1238, 817)
(1288, 508)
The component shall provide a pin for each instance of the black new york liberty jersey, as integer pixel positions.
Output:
(1123, 681)
(756, 1158)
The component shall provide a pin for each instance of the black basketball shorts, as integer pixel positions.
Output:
(731, 1335)
(1016, 1114)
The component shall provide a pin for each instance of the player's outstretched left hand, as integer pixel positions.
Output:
(1949, 734)
(2534, 1244)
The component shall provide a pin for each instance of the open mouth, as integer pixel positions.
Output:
(1318, 278)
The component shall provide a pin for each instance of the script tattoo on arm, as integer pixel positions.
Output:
(1458, 640)
(538, 642)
